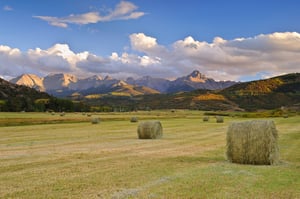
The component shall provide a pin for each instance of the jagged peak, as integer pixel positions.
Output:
(120, 83)
(64, 76)
(30, 80)
(29, 75)
(95, 77)
(107, 77)
(196, 76)
(55, 81)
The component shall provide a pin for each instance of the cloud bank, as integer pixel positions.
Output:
(238, 59)
(123, 11)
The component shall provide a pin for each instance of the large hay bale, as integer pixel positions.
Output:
(252, 142)
(205, 119)
(219, 119)
(134, 119)
(95, 120)
(150, 130)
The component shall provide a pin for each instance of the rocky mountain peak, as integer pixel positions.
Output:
(196, 76)
(59, 81)
(29, 80)
(107, 77)
(120, 83)
(95, 77)
(64, 77)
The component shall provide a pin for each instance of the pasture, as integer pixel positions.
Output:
(50, 156)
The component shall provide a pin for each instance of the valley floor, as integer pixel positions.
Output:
(77, 159)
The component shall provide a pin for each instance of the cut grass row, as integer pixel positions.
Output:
(22, 119)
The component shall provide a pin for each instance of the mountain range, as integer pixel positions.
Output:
(63, 85)
(276, 93)
(281, 92)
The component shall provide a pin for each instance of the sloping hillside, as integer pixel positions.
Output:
(197, 100)
(15, 97)
(266, 94)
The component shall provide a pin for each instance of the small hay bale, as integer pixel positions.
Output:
(95, 120)
(205, 119)
(285, 116)
(219, 119)
(134, 119)
(150, 130)
(62, 114)
(252, 142)
(89, 115)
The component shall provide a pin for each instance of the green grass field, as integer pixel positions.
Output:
(68, 157)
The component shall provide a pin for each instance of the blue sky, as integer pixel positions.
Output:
(238, 40)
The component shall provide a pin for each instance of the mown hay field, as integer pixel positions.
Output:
(81, 160)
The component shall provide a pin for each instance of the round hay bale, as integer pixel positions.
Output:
(252, 142)
(150, 130)
(89, 115)
(62, 114)
(95, 120)
(134, 119)
(205, 119)
(219, 119)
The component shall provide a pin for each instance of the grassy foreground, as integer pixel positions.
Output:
(106, 160)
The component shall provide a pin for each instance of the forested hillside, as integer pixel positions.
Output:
(21, 98)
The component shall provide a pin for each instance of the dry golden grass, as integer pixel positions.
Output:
(80, 160)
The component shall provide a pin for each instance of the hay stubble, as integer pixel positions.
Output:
(81, 160)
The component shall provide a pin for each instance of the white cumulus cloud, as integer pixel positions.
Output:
(236, 59)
